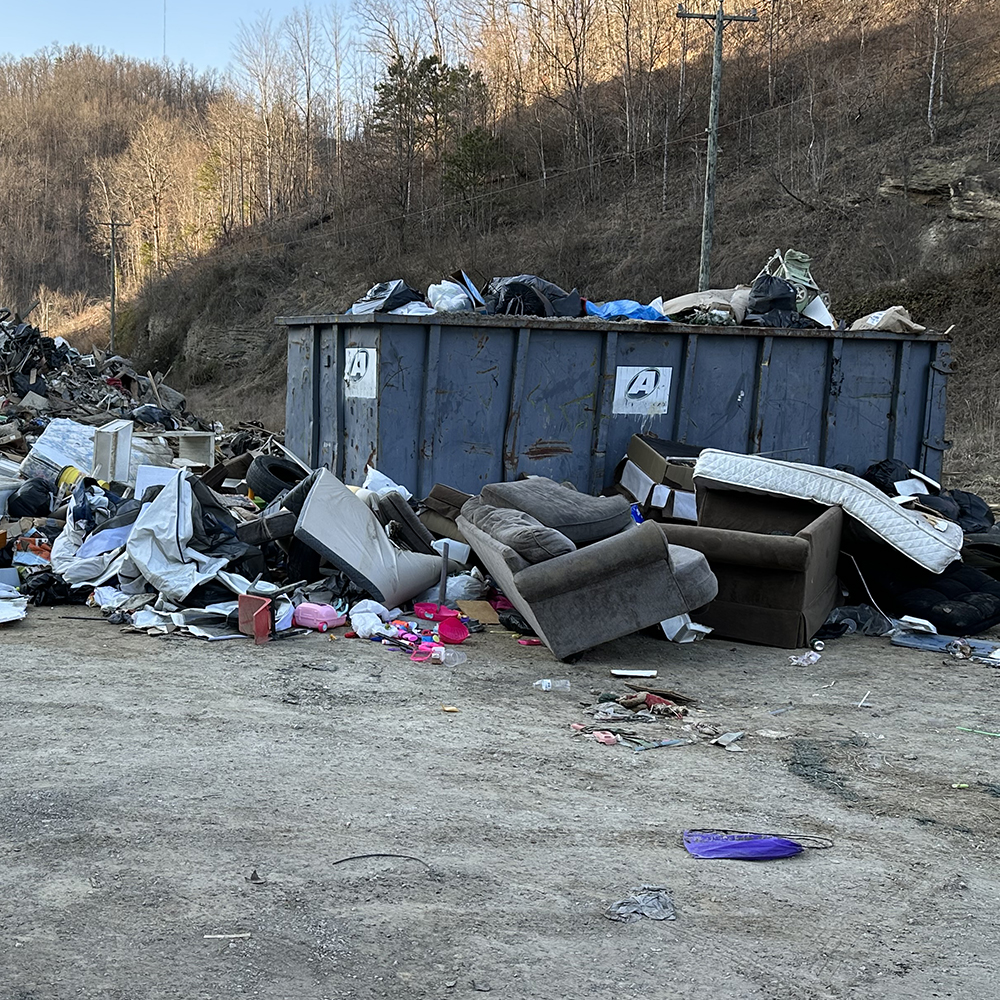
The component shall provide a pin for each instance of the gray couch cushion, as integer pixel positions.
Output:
(526, 535)
(579, 516)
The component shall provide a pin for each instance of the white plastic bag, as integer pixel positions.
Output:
(367, 618)
(381, 484)
(449, 297)
(462, 587)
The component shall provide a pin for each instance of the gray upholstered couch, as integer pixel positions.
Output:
(577, 567)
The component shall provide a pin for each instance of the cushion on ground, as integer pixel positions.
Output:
(580, 517)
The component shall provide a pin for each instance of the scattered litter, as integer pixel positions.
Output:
(651, 901)
(772, 734)
(728, 740)
(546, 684)
(960, 784)
(861, 704)
(449, 708)
(978, 732)
(944, 643)
(255, 879)
(747, 846)
(680, 628)
(634, 673)
(643, 745)
(226, 937)
(449, 657)
(675, 696)
(805, 660)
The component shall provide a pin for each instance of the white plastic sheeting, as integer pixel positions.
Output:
(159, 544)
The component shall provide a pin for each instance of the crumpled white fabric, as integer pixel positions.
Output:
(65, 560)
(367, 618)
(70, 539)
(158, 546)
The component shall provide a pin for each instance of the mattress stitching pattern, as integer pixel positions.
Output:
(907, 531)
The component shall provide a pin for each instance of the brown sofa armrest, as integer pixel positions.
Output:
(593, 564)
(742, 548)
(823, 536)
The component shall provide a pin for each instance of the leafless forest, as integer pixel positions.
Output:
(564, 137)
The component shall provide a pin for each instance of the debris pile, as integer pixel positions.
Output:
(783, 295)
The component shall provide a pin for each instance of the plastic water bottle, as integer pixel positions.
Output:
(449, 657)
(547, 684)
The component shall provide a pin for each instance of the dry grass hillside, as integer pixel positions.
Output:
(865, 135)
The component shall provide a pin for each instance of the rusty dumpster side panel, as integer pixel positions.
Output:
(467, 400)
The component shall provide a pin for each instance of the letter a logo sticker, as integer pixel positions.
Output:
(361, 372)
(644, 391)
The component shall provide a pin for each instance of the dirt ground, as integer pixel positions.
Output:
(146, 779)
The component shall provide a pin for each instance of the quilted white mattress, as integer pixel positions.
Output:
(930, 542)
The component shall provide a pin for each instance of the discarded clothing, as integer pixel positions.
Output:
(651, 901)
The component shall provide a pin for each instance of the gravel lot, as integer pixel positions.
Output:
(146, 779)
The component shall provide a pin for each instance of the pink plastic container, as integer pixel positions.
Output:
(318, 616)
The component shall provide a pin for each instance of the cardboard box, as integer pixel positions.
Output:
(667, 463)
(657, 501)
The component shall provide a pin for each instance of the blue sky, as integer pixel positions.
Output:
(200, 33)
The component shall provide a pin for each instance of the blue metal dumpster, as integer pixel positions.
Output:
(467, 400)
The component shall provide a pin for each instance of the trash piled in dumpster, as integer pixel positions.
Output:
(783, 295)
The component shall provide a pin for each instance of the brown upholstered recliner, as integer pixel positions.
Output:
(775, 559)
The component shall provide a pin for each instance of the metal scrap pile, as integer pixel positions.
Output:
(82, 439)
(43, 377)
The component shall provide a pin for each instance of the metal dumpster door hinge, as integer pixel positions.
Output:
(939, 445)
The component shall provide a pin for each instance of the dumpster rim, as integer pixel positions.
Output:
(588, 323)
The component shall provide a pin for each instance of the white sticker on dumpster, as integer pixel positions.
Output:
(361, 372)
(642, 390)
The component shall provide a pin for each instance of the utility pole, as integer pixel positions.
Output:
(113, 225)
(721, 19)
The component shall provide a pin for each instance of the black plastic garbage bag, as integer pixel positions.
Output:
(514, 622)
(974, 514)
(781, 319)
(215, 533)
(768, 292)
(529, 295)
(386, 296)
(33, 499)
(942, 505)
(886, 474)
(48, 588)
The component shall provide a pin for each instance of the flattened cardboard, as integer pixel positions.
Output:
(482, 611)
